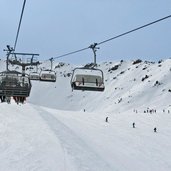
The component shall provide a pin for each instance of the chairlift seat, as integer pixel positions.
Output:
(90, 81)
(48, 75)
(34, 76)
(12, 83)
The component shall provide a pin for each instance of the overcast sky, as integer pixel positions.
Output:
(55, 27)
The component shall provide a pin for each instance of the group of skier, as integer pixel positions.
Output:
(151, 111)
(133, 124)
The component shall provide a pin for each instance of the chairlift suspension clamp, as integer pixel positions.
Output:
(51, 61)
(9, 50)
(94, 48)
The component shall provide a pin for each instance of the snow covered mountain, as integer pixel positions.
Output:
(132, 84)
(52, 131)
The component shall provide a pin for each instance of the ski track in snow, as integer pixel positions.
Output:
(83, 156)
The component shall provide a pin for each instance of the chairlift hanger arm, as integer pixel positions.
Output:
(25, 54)
(94, 49)
(8, 50)
(28, 54)
(15, 62)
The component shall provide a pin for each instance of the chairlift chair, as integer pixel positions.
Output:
(13, 83)
(34, 76)
(89, 79)
(48, 75)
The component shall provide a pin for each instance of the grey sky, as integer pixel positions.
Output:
(56, 27)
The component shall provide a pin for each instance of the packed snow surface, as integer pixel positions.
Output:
(39, 138)
(58, 129)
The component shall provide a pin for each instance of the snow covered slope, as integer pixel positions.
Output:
(39, 138)
(52, 131)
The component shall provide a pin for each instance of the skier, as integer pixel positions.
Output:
(106, 119)
(133, 124)
(155, 129)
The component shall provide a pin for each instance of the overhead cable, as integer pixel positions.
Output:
(138, 28)
(115, 37)
(18, 30)
(70, 53)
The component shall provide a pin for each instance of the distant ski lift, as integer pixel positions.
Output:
(34, 76)
(13, 83)
(48, 75)
(90, 79)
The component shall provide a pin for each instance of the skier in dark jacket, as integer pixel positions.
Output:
(133, 124)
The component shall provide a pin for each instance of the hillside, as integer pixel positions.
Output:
(140, 85)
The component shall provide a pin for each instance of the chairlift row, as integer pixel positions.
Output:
(14, 84)
(83, 78)
(86, 78)
(45, 75)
